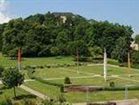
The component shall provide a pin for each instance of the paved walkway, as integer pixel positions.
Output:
(34, 92)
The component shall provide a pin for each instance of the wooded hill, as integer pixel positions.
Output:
(53, 34)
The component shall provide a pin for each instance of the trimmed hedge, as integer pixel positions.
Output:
(120, 88)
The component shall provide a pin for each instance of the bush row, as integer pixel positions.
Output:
(120, 88)
(50, 66)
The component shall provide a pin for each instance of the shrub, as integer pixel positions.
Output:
(67, 80)
(6, 102)
(62, 89)
(40, 66)
(61, 98)
(48, 102)
(29, 102)
(113, 62)
(112, 84)
(1, 70)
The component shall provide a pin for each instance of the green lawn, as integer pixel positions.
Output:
(57, 75)
(51, 91)
(84, 77)
(97, 81)
(7, 62)
(83, 71)
(8, 93)
(54, 92)
(100, 96)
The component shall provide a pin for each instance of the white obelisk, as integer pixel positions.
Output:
(105, 65)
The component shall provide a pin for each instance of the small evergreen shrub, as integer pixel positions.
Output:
(62, 89)
(112, 84)
(67, 80)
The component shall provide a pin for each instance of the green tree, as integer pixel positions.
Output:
(135, 57)
(12, 78)
(121, 50)
(95, 51)
(47, 35)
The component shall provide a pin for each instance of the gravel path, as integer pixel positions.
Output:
(34, 92)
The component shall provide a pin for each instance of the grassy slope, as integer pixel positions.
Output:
(85, 71)
(71, 72)
(89, 71)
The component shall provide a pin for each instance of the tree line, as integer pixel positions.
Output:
(47, 35)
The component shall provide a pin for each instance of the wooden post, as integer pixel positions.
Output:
(19, 59)
(129, 63)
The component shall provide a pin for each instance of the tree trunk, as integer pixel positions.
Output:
(14, 92)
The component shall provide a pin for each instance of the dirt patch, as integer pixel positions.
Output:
(82, 88)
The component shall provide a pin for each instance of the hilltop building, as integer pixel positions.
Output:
(63, 15)
(134, 46)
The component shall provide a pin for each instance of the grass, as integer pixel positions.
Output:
(74, 97)
(100, 96)
(57, 75)
(7, 62)
(51, 91)
(8, 93)
(97, 81)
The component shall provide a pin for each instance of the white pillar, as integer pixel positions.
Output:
(105, 64)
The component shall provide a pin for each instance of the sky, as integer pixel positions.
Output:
(116, 11)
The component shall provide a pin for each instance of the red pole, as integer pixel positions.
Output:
(19, 59)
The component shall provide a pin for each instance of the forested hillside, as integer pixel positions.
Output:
(48, 35)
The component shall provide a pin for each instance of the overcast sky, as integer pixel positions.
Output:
(120, 11)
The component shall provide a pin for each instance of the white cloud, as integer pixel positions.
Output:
(3, 8)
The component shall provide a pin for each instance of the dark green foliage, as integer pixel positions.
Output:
(62, 89)
(112, 84)
(1, 71)
(61, 98)
(47, 35)
(12, 78)
(118, 88)
(49, 102)
(121, 50)
(137, 39)
(6, 102)
(67, 80)
(29, 102)
(135, 57)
